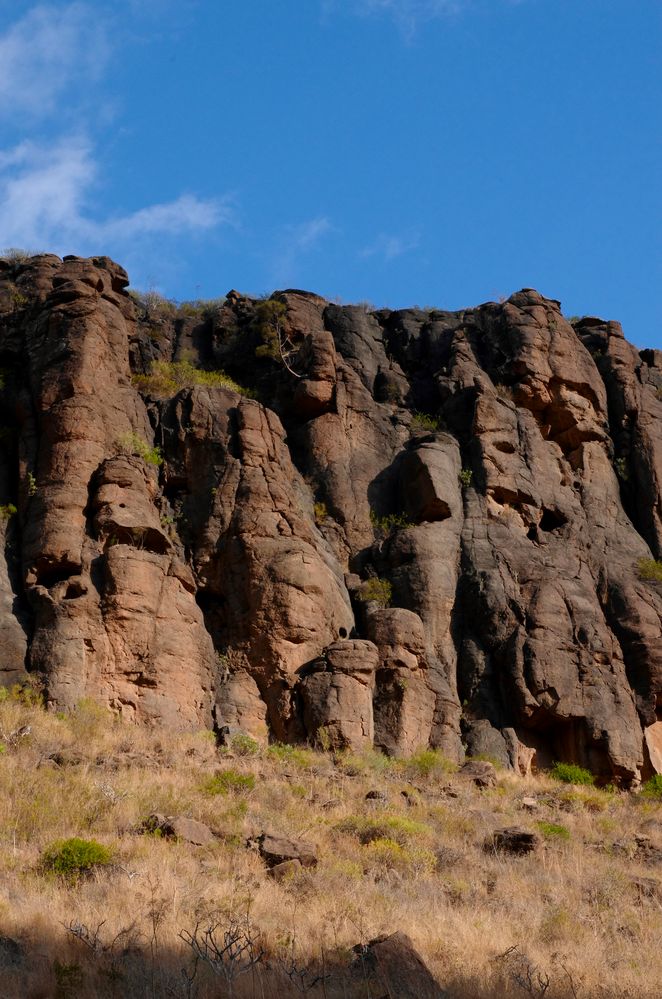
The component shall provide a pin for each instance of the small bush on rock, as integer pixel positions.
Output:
(650, 569)
(132, 443)
(378, 590)
(167, 378)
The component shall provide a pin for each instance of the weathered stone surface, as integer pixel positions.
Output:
(239, 706)
(286, 870)
(337, 692)
(180, 827)
(279, 850)
(480, 772)
(223, 586)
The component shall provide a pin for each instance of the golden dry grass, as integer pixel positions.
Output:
(487, 925)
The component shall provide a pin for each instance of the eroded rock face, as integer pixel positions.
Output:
(498, 469)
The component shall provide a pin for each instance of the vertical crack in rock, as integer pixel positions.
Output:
(424, 529)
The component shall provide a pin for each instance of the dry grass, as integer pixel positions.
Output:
(487, 925)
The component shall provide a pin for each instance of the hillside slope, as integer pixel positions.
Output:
(412, 528)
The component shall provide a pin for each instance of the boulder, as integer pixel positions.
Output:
(481, 772)
(337, 692)
(278, 850)
(513, 840)
(179, 827)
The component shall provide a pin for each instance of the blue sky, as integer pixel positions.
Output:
(430, 152)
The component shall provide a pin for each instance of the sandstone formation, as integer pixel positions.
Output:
(417, 529)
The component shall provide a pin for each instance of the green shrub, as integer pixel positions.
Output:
(394, 827)
(650, 569)
(269, 315)
(622, 470)
(205, 308)
(244, 745)
(23, 693)
(465, 477)
(296, 756)
(229, 782)
(166, 378)
(424, 421)
(390, 523)
(370, 761)
(378, 590)
(7, 511)
(321, 513)
(428, 762)
(71, 858)
(387, 854)
(551, 830)
(132, 443)
(570, 773)
(653, 787)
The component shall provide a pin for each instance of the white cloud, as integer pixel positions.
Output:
(388, 247)
(296, 241)
(45, 195)
(47, 51)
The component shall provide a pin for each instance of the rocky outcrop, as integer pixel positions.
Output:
(191, 553)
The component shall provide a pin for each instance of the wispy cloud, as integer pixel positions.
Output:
(294, 243)
(408, 15)
(47, 51)
(45, 199)
(52, 64)
(389, 247)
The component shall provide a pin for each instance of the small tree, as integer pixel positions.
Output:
(276, 342)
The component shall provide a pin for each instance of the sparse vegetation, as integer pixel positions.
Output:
(128, 911)
(390, 523)
(71, 858)
(166, 378)
(320, 512)
(650, 569)
(653, 787)
(570, 773)
(229, 782)
(425, 421)
(7, 511)
(132, 443)
(553, 830)
(244, 745)
(375, 589)
(466, 476)
(622, 469)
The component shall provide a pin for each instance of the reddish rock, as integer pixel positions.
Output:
(205, 590)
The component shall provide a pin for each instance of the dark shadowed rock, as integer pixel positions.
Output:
(392, 966)
(513, 840)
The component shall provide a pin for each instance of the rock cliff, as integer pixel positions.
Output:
(412, 528)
